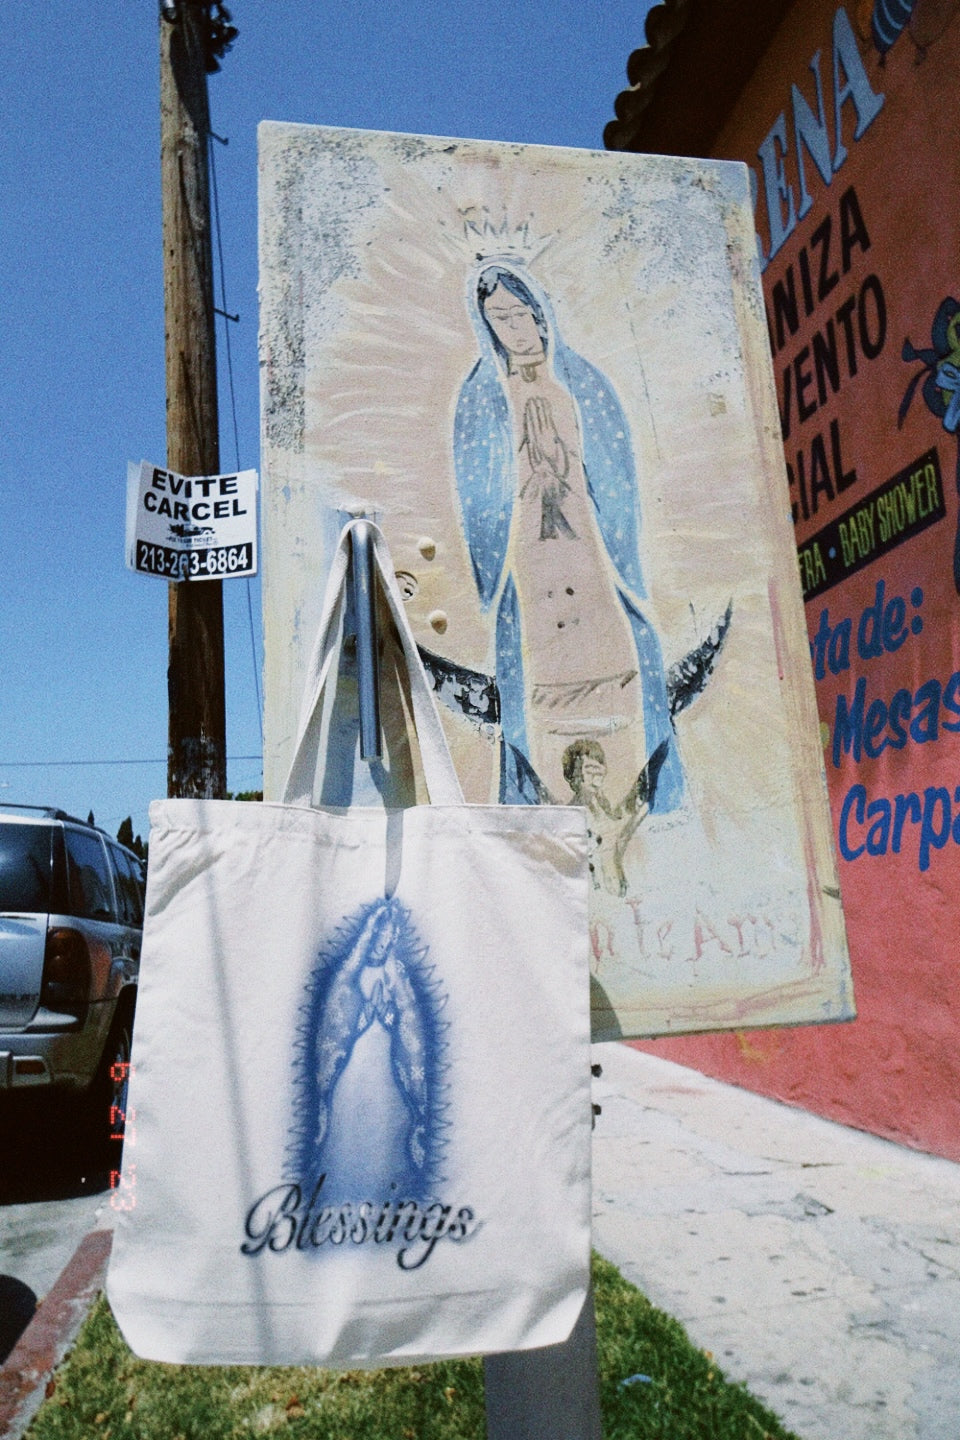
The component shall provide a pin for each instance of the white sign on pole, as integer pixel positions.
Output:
(196, 527)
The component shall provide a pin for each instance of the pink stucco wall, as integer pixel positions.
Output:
(883, 231)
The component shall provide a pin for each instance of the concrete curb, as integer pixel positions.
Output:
(30, 1365)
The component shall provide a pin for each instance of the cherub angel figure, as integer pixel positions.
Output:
(610, 827)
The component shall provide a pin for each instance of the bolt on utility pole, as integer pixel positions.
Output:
(190, 39)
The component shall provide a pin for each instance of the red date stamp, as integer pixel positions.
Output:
(123, 1182)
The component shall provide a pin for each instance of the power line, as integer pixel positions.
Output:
(227, 318)
(50, 764)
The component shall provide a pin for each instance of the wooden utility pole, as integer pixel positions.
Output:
(197, 751)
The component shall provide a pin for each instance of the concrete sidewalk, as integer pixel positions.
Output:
(820, 1265)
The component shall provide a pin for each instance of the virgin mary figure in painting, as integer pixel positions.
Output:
(550, 510)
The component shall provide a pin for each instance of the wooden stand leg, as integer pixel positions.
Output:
(548, 1394)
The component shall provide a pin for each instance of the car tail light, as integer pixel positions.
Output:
(66, 972)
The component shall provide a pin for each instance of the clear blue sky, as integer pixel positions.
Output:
(83, 642)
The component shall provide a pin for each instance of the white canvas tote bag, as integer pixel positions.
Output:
(359, 1108)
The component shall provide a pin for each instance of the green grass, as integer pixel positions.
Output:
(102, 1390)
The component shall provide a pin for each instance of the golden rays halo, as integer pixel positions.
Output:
(384, 382)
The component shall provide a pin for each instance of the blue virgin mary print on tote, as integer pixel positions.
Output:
(369, 1078)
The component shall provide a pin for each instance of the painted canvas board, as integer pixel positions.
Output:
(546, 374)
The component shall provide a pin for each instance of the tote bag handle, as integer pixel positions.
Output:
(443, 786)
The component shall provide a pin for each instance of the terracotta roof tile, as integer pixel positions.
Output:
(686, 80)
(644, 68)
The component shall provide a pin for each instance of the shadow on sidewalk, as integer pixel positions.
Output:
(18, 1305)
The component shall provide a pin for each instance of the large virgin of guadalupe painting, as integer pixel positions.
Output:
(545, 373)
(550, 511)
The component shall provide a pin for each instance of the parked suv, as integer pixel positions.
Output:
(71, 916)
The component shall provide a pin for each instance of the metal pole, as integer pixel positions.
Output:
(551, 1393)
(548, 1394)
(363, 593)
(196, 763)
